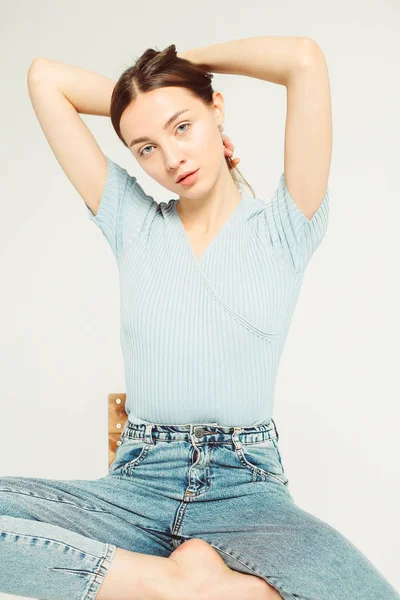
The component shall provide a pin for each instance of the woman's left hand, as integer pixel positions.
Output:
(228, 147)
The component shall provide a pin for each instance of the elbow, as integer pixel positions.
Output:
(36, 64)
(309, 52)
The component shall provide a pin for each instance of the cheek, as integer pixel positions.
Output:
(207, 141)
(154, 171)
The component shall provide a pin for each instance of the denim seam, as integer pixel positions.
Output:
(204, 442)
(128, 467)
(279, 456)
(270, 580)
(98, 580)
(253, 469)
(57, 500)
(42, 537)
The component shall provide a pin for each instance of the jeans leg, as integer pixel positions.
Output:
(302, 556)
(44, 552)
(41, 560)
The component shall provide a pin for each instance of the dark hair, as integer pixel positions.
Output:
(161, 68)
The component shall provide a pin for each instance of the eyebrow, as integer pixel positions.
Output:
(167, 124)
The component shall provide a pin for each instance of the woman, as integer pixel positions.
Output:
(208, 286)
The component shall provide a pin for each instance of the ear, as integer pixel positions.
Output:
(218, 107)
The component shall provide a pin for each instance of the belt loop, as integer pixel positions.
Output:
(192, 435)
(276, 429)
(147, 436)
(235, 438)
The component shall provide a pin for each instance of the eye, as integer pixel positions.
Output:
(183, 125)
(142, 153)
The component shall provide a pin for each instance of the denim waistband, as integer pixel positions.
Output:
(199, 432)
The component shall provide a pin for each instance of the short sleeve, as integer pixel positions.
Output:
(123, 209)
(288, 231)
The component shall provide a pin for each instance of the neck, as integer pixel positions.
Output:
(206, 213)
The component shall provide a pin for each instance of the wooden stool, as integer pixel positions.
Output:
(117, 418)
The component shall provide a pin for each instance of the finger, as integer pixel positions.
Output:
(228, 144)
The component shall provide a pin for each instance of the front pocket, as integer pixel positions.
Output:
(263, 459)
(129, 454)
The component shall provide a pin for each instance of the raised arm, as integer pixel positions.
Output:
(59, 92)
(308, 132)
(298, 64)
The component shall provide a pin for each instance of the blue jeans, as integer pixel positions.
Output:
(169, 484)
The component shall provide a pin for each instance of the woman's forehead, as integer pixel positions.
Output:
(155, 111)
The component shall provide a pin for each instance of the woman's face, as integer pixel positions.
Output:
(191, 141)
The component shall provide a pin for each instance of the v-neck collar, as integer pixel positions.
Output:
(238, 209)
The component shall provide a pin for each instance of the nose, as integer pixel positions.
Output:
(173, 157)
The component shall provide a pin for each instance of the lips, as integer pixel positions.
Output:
(185, 175)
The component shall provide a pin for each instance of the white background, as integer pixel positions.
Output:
(337, 404)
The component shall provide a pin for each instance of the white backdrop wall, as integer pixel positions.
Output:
(337, 403)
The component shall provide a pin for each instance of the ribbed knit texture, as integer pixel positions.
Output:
(202, 338)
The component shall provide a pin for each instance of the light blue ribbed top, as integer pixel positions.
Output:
(202, 338)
